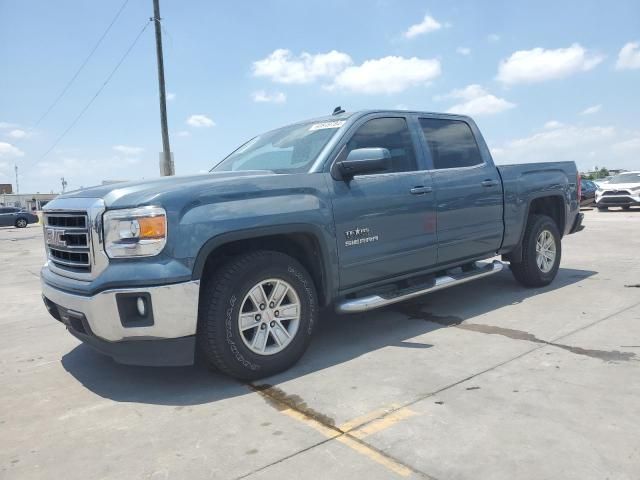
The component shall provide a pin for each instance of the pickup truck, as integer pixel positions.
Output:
(352, 211)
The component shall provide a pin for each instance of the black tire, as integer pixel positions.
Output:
(603, 209)
(221, 299)
(21, 222)
(527, 271)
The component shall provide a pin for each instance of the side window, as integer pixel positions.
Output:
(451, 143)
(390, 133)
(3, 210)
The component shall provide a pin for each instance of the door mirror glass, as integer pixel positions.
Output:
(364, 160)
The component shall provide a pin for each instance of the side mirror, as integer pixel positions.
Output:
(364, 160)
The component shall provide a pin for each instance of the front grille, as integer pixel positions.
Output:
(616, 192)
(68, 242)
(616, 200)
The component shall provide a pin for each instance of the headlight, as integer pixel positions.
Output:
(135, 232)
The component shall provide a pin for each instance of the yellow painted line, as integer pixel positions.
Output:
(316, 425)
(338, 434)
(372, 454)
(367, 417)
(383, 423)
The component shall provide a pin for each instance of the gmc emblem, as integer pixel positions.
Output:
(55, 237)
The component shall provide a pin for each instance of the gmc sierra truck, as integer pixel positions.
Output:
(352, 211)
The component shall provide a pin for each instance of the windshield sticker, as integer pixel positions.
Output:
(320, 126)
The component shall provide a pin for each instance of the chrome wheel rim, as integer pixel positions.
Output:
(269, 316)
(22, 223)
(545, 251)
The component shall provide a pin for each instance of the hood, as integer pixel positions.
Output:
(130, 194)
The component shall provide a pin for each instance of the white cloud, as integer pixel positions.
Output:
(477, 101)
(387, 75)
(171, 96)
(200, 120)
(601, 145)
(539, 64)
(128, 150)
(7, 150)
(591, 110)
(463, 51)
(4, 125)
(283, 67)
(631, 145)
(493, 37)
(427, 25)
(18, 133)
(629, 57)
(263, 97)
(551, 124)
(184, 133)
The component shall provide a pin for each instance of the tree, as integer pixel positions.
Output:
(603, 172)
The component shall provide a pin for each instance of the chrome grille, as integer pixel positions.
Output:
(616, 192)
(68, 240)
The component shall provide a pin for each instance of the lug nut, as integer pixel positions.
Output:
(271, 305)
(272, 324)
(258, 317)
(262, 306)
(263, 326)
(277, 313)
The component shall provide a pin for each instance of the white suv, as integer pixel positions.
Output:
(623, 190)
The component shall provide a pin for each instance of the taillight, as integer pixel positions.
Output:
(579, 183)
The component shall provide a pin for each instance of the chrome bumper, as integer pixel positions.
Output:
(175, 311)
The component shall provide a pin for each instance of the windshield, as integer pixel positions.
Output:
(285, 150)
(626, 178)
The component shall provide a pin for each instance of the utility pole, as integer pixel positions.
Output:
(64, 184)
(166, 160)
(17, 184)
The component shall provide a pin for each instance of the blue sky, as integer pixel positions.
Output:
(545, 80)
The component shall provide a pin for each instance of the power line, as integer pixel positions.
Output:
(82, 65)
(98, 92)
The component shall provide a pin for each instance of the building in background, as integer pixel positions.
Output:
(28, 201)
(6, 188)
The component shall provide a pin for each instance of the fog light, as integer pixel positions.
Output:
(141, 306)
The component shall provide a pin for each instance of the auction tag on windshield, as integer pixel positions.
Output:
(320, 126)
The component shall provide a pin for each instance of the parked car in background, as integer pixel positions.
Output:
(623, 190)
(16, 217)
(588, 193)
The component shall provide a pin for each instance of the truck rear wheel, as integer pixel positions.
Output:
(541, 253)
(257, 314)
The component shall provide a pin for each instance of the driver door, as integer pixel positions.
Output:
(385, 221)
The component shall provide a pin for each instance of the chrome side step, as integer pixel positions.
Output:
(376, 301)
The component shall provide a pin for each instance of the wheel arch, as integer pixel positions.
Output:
(300, 241)
(552, 205)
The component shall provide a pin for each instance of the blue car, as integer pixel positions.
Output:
(16, 217)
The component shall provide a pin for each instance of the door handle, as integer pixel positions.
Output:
(420, 190)
(489, 183)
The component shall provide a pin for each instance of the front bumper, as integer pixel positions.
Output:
(165, 336)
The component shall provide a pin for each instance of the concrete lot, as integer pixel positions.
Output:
(485, 380)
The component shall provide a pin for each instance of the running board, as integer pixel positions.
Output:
(370, 302)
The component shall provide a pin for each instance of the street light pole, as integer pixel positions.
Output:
(166, 160)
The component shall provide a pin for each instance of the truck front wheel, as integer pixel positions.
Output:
(257, 314)
(541, 252)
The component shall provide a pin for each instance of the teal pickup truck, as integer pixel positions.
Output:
(352, 211)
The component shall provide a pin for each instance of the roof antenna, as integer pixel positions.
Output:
(338, 110)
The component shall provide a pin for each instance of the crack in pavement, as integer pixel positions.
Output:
(414, 311)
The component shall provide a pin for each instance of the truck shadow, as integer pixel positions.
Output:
(339, 339)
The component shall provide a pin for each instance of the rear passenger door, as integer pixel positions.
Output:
(468, 191)
(385, 221)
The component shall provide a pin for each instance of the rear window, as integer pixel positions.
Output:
(451, 143)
